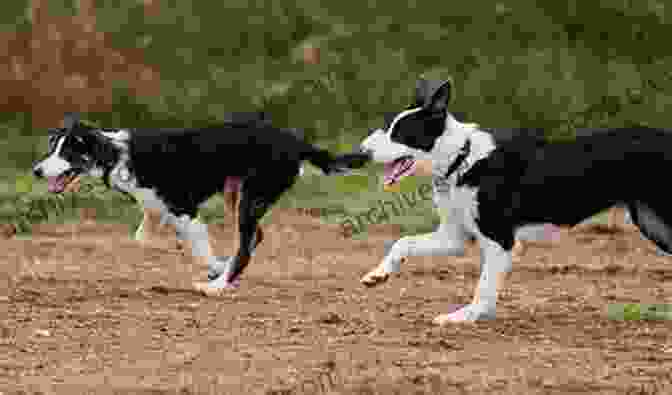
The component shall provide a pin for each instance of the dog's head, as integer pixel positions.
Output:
(74, 150)
(413, 133)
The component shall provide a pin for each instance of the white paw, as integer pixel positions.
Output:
(217, 287)
(219, 266)
(459, 316)
(467, 314)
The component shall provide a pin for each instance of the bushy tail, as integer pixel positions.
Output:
(337, 164)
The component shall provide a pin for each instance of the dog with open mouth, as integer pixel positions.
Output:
(148, 230)
(172, 172)
(491, 183)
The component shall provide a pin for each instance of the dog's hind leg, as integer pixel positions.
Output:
(232, 201)
(231, 195)
(258, 195)
(654, 223)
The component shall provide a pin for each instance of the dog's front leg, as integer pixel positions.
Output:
(495, 270)
(148, 230)
(448, 240)
(195, 234)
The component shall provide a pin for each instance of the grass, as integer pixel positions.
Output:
(636, 312)
(342, 199)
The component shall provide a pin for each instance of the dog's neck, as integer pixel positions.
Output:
(460, 146)
(112, 165)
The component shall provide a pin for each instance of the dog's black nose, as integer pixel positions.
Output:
(37, 172)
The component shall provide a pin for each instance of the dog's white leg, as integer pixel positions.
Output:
(495, 270)
(448, 240)
(196, 234)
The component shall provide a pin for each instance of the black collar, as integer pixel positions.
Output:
(464, 153)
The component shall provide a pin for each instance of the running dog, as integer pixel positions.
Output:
(173, 171)
(151, 220)
(500, 180)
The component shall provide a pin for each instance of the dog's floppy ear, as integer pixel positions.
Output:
(433, 95)
(70, 119)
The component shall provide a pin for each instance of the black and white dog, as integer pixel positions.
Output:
(174, 171)
(497, 181)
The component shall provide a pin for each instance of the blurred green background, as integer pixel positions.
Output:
(553, 64)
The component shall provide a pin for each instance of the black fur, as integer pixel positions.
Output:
(430, 121)
(187, 166)
(180, 163)
(528, 179)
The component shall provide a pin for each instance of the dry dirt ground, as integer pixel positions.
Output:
(83, 309)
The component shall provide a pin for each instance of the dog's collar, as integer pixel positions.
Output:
(461, 157)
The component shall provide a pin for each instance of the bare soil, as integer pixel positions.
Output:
(84, 309)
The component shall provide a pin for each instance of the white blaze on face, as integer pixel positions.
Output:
(381, 145)
(55, 165)
(401, 116)
(388, 152)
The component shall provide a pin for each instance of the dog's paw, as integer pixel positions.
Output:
(217, 287)
(467, 314)
(219, 267)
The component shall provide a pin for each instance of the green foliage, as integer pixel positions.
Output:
(636, 312)
(13, 15)
(552, 64)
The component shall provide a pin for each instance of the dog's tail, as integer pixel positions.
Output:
(331, 164)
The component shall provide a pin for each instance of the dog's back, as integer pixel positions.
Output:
(189, 158)
(578, 177)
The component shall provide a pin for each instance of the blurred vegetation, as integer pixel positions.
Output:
(553, 64)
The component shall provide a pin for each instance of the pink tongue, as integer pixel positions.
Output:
(232, 184)
(54, 184)
(391, 171)
(388, 172)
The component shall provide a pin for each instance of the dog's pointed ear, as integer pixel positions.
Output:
(70, 119)
(438, 94)
(433, 95)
